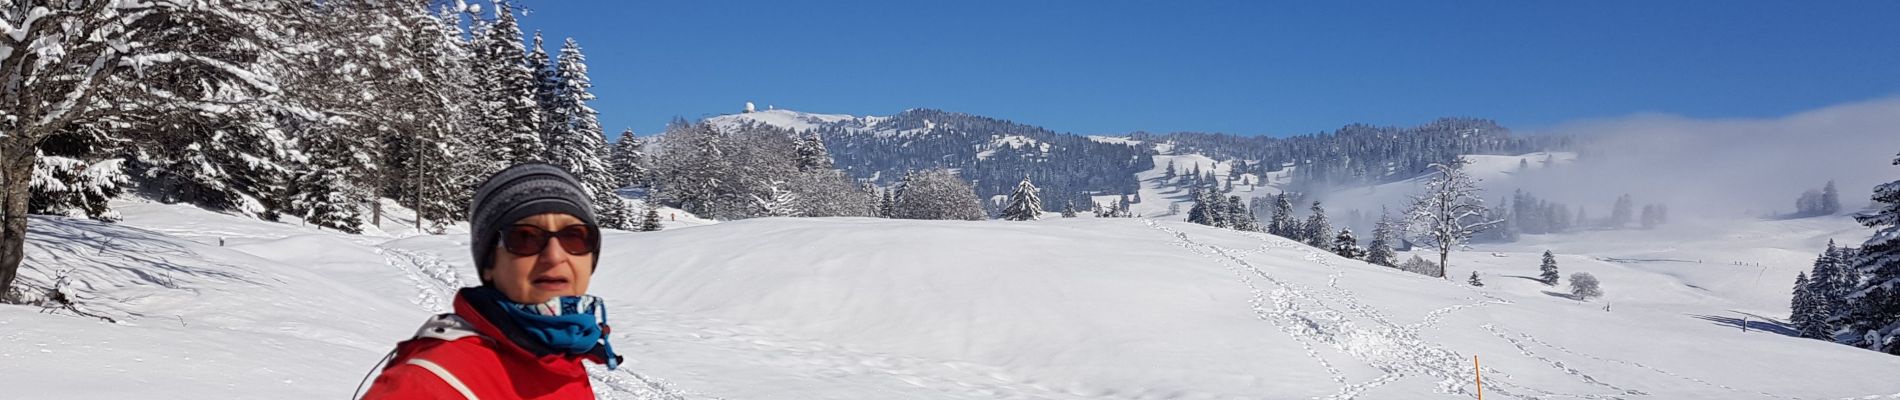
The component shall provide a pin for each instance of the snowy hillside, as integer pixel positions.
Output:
(1495, 172)
(869, 308)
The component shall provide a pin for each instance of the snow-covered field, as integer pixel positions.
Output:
(891, 309)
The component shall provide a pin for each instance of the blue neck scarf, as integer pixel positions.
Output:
(568, 324)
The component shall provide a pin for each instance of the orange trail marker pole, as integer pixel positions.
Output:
(1479, 373)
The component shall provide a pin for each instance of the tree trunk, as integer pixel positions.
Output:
(1444, 256)
(16, 174)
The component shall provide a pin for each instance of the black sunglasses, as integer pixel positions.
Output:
(529, 240)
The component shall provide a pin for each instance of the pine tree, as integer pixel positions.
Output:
(1621, 212)
(1830, 283)
(1345, 245)
(1239, 218)
(1068, 209)
(73, 177)
(1282, 223)
(812, 155)
(1800, 307)
(1379, 252)
(1201, 212)
(1024, 204)
(1318, 231)
(1548, 271)
(1167, 175)
(651, 223)
(547, 87)
(1474, 279)
(514, 119)
(575, 139)
(628, 160)
(1830, 199)
(323, 192)
(1874, 321)
(885, 202)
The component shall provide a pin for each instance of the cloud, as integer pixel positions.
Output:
(1727, 167)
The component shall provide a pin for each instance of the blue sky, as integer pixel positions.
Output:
(1245, 67)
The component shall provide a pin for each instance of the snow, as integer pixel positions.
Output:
(1114, 140)
(854, 308)
(1011, 141)
(1156, 195)
(787, 119)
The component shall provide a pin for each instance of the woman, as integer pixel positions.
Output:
(523, 333)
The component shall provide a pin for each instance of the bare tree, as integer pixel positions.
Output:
(1449, 213)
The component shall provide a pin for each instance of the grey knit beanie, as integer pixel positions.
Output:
(520, 191)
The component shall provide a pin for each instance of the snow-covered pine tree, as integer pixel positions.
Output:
(1547, 272)
(424, 159)
(651, 222)
(936, 194)
(1024, 204)
(1449, 212)
(323, 193)
(1238, 216)
(628, 161)
(1282, 223)
(76, 176)
(1167, 175)
(1874, 322)
(1379, 251)
(1474, 279)
(1830, 282)
(575, 140)
(514, 119)
(777, 202)
(1319, 233)
(886, 203)
(1068, 209)
(547, 88)
(1801, 310)
(1201, 212)
(1345, 245)
(812, 155)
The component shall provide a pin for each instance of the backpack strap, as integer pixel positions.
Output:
(447, 377)
(446, 327)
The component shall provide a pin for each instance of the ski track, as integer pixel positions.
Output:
(1310, 317)
(1396, 350)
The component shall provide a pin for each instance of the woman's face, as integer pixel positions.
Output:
(540, 277)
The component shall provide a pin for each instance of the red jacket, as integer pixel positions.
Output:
(466, 356)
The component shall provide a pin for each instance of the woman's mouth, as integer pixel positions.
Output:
(551, 283)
